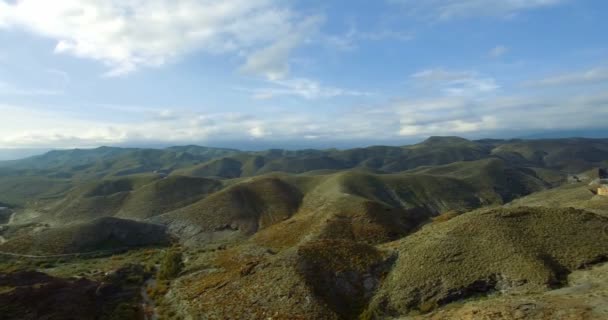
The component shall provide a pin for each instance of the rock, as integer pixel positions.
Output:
(248, 268)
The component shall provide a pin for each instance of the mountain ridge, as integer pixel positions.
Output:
(364, 233)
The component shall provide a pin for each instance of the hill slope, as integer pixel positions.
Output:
(133, 197)
(571, 155)
(97, 235)
(512, 250)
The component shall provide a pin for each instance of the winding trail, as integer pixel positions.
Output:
(148, 304)
(77, 254)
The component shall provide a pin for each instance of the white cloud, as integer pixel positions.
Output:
(594, 75)
(498, 51)
(455, 9)
(457, 83)
(257, 132)
(448, 115)
(273, 61)
(129, 34)
(439, 74)
(303, 88)
(458, 115)
(450, 127)
(350, 39)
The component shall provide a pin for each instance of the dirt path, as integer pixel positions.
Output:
(81, 254)
(148, 304)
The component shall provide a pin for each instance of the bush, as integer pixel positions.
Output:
(171, 265)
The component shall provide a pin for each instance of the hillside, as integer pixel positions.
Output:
(52, 183)
(97, 235)
(109, 161)
(582, 298)
(570, 155)
(133, 197)
(18, 191)
(351, 199)
(241, 209)
(513, 250)
(577, 195)
(433, 230)
(482, 253)
(282, 209)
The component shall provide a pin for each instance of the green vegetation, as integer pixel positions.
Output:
(222, 168)
(166, 195)
(514, 250)
(343, 274)
(20, 191)
(577, 195)
(330, 234)
(171, 265)
(101, 235)
(571, 155)
(106, 287)
(241, 209)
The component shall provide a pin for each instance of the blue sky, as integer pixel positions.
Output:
(257, 73)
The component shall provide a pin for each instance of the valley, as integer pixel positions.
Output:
(448, 228)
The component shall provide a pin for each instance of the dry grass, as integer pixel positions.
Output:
(513, 250)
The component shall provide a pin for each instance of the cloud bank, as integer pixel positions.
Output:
(400, 119)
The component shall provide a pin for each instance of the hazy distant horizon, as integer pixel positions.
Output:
(20, 153)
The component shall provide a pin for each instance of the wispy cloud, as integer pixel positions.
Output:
(498, 51)
(303, 88)
(353, 37)
(590, 76)
(443, 10)
(457, 83)
(405, 118)
(273, 61)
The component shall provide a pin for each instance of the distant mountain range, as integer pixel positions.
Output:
(231, 163)
(14, 154)
(20, 153)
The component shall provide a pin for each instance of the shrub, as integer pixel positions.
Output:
(171, 265)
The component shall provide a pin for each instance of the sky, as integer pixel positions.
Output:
(288, 73)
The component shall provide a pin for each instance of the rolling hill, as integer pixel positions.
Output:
(419, 231)
(135, 197)
(571, 155)
(96, 235)
(500, 250)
